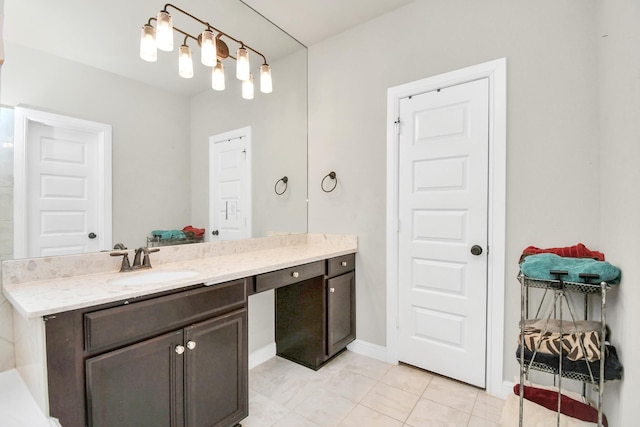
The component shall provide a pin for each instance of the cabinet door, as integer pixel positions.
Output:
(300, 322)
(216, 371)
(138, 385)
(341, 309)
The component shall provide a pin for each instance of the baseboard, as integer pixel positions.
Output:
(364, 348)
(262, 355)
(507, 389)
(368, 349)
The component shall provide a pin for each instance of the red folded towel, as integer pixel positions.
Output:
(568, 406)
(197, 232)
(577, 251)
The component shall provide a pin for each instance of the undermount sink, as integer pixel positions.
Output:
(149, 277)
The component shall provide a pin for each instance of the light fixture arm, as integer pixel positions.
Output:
(184, 33)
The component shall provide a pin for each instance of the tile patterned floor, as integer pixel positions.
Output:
(357, 391)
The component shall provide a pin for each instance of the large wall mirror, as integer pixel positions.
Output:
(81, 59)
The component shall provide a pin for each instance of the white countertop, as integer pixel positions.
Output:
(35, 298)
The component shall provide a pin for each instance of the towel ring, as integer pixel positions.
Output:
(333, 176)
(285, 181)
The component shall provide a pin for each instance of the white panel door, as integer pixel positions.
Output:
(230, 192)
(62, 196)
(443, 213)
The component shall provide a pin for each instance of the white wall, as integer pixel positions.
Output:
(619, 100)
(150, 128)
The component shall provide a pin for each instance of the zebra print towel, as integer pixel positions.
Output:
(545, 336)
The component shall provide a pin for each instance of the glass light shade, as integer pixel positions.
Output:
(164, 31)
(247, 88)
(208, 53)
(242, 64)
(217, 77)
(148, 50)
(185, 63)
(266, 85)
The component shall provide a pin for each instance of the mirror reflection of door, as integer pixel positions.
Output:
(230, 185)
(63, 185)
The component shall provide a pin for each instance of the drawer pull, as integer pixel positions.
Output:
(343, 263)
(295, 274)
(179, 349)
(332, 290)
(191, 345)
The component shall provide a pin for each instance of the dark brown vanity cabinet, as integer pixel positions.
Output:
(315, 318)
(174, 360)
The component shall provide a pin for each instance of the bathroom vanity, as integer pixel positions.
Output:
(176, 354)
(157, 361)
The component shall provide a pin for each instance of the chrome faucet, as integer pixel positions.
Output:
(140, 261)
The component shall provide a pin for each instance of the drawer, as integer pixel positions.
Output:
(287, 276)
(341, 264)
(112, 327)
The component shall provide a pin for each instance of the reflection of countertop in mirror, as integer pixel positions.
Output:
(42, 286)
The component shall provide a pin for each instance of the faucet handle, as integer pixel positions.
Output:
(126, 265)
(146, 262)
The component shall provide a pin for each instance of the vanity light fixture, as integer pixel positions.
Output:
(148, 47)
(247, 88)
(217, 77)
(185, 63)
(243, 69)
(213, 51)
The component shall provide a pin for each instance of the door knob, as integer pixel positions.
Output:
(295, 274)
(92, 235)
(191, 345)
(179, 349)
(476, 250)
(215, 232)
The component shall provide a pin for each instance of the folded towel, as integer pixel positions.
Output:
(544, 337)
(576, 251)
(568, 406)
(568, 326)
(168, 234)
(612, 367)
(193, 232)
(539, 267)
(536, 415)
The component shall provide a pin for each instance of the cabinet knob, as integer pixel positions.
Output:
(191, 345)
(295, 274)
(343, 263)
(332, 290)
(179, 349)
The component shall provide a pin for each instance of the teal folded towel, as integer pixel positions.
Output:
(538, 267)
(168, 234)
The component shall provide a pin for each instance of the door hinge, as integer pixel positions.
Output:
(397, 123)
